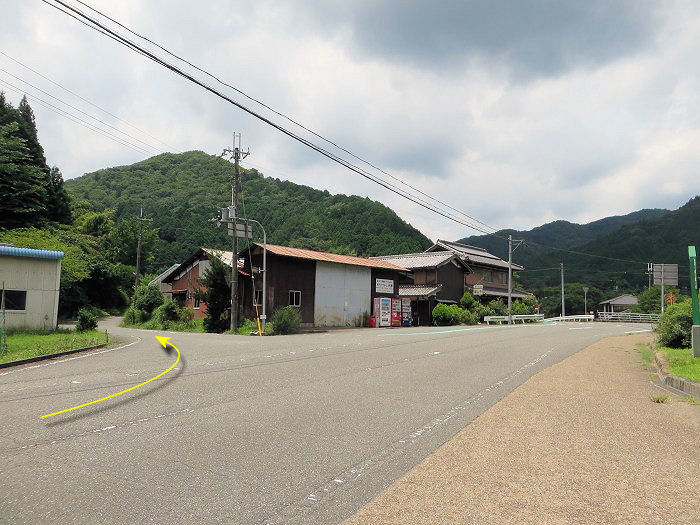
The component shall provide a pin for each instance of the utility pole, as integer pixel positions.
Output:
(563, 308)
(141, 219)
(585, 300)
(510, 276)
(663, 302)
(235, 184)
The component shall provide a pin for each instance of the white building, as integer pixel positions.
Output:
(30, 280)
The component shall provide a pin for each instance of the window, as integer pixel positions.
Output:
(15, 300)
(488, 276)
(502, 277)
(294, 298)
(258, 298)
(195, 301)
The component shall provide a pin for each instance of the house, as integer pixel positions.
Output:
(31, 281)
(436, 277)
(445, 271)
(182, 280)
(486, 269)
(621, 303)
(166, 288)
(329, 289)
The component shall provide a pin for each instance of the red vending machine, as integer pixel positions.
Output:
(396, 312)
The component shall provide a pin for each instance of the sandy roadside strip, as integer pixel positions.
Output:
(580, 442)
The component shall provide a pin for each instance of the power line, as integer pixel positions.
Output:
(77, 120)
(85, 100)
(131, 45)
(158, 150)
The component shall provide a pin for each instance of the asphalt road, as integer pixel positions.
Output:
(295, 429)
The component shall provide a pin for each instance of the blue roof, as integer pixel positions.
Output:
(29, 252)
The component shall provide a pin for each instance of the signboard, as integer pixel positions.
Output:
(666, 274)
(242, 230)
(478, 289)
(384, 286)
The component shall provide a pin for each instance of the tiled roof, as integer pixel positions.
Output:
(473, 254)
(500, 292)
(300, 253)
(29, 252)
(623, 299)
(413, 261)
(418, 290)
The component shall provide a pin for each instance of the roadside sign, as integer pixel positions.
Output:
(478, 289)
(242, 230)
(666, 274)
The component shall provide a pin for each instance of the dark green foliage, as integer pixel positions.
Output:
(520, 308)
(57, 202)
(217, 296)
(447, 314)
(87, 320)
(168, 311)
(650, 299)
(481, 311)
(134, 316)
(147, 298)
(467, 301)
(286, 320)
(675, 325)
(574, 299)
(181, 192)
(123, 240)
(498, 307)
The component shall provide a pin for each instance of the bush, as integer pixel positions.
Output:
(468, 317)
(498, 307)
(87, 320)
(520, 308)
(185, 314)
(467, 301)
(482, 311)
(147, 298)
(286, 320)
(134, 316)
(675, 325)
(168, 311)
(447, 314)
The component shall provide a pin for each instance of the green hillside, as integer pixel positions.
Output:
(181, 192)
(560, 234)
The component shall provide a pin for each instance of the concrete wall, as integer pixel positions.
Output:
(41, 279)
(342, 294)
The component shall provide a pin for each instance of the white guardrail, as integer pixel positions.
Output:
(628, 317)
(575, 318)
(504, 318)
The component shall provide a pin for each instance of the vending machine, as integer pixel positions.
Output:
(396, 312)
(406, 314)
(384, 311)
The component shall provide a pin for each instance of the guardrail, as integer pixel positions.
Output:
(628, 317)
(574, 318)
(500, 319)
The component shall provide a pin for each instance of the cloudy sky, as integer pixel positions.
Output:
(516, 113)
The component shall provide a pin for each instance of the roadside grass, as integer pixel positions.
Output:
(691, 400)
(681, 363)
(646, 351)
(661, 398)
(25, 344)
(195, 325)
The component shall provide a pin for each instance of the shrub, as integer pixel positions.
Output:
(468, 317)
(185, 314)
(520, 308)
(444, 314)
(134, 316)
(87, 320)
(675, 325)
(482, 311)
(498, 307)
(286, 320)
(168, 311)
(467, 301)
(147, 298)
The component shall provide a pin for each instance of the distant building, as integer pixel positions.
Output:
(445, 271)
(165, 288)
(327, 288)
(621, 303)
(31, 280)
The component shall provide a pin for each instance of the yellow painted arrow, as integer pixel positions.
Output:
(162, 340)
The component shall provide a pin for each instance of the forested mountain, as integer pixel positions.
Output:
(561, 234)
(181, 192)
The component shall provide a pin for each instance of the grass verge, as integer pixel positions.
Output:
(196, 325)
(647, 353)
(681, 363)
(27, 344)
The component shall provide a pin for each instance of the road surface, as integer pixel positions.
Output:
(294, 429)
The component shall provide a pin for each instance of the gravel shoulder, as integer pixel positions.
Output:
(580, 442)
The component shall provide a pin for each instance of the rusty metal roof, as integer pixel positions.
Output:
(311, 255)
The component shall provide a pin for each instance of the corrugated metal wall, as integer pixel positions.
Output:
(342, 294)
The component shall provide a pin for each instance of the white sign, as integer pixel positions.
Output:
(478, 289)
(384, 286)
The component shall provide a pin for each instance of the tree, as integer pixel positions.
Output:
(58, 202)
(217, 295)
(22, 192)
(123, 240)
(649, 300)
